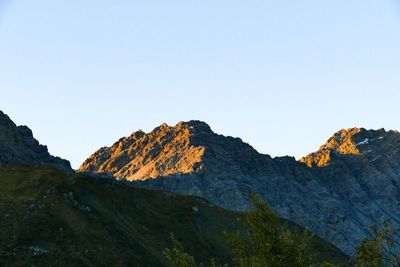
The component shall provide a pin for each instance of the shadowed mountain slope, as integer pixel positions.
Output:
(17, 145)
(338, 191)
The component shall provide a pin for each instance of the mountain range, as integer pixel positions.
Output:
(52, 216)
(339, 191)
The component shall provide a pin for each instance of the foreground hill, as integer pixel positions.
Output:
(17, 145)
(351, 183)
(53, 218)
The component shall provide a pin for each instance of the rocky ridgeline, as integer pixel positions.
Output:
(17, 145)
(164, 151)
(354, 141)
(351, 183)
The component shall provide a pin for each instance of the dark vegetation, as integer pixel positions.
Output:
(52, 218)
(267, 244)
(381, 248)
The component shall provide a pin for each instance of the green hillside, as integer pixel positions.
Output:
(50, 218)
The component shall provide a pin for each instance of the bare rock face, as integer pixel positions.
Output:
(165, 151)
(350, 183)
(17, 145)
(341, 143)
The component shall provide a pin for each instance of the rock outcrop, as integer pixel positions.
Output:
(17, 145)
(352, 182)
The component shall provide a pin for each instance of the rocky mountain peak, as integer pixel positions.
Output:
(194, 125)
(164, 151)
(186, 148)
(17, 145)
(352, 141)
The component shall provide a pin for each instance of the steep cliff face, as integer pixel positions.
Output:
(338, 191)
(17, 145)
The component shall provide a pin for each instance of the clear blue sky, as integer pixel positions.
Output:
(282, 75)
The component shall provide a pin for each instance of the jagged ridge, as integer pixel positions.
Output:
(353, 141)
(164, 151)
(17, 145)
(187, 148)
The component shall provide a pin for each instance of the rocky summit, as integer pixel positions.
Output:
(17, 145)
(349, 184)
(164, 151)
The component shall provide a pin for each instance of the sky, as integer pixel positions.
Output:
(281, 75)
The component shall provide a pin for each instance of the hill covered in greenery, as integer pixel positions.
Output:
(55, 218)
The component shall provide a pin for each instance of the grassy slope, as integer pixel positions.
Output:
(82, 221)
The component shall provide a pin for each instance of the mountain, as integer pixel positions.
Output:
(362, 168)
(17, 145)
(188, 158)
(339, 191)
(51, 216)
(54, 218)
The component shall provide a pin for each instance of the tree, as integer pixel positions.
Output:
(264, 244)
(177, 256)
(268, 244)
(380, 249)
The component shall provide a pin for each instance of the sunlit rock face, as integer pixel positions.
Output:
(165, 151)
(351, 183)
(17, 145)
(340, 143)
